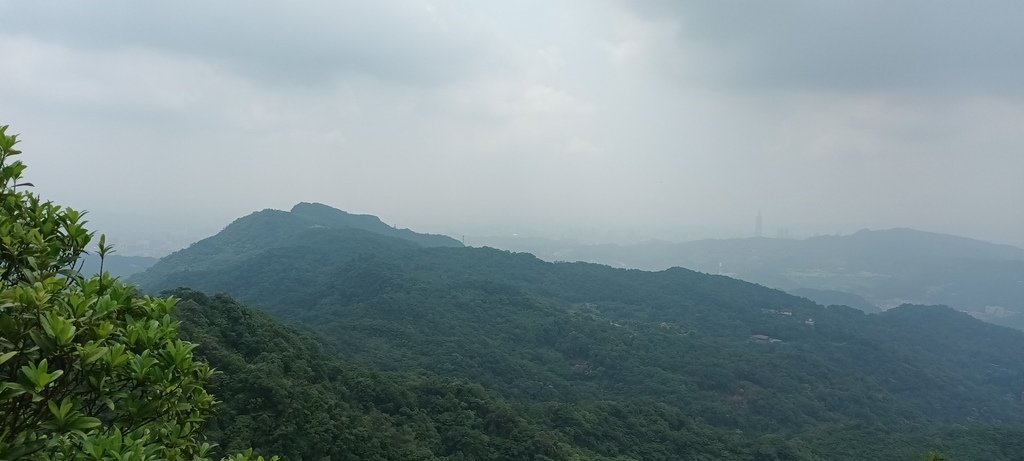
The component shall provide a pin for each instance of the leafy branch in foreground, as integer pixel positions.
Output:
(89, 370)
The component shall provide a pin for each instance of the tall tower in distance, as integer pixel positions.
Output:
(758, 225)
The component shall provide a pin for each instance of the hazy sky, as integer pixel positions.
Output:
(599, 119)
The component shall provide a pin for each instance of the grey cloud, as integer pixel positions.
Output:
(975, 47)
(271, 41)
(551, 118)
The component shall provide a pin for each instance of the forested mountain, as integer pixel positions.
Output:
(886, 268)
(318, 214)
(284, 394)
(836, 298)
(629, 359)
(252, 235)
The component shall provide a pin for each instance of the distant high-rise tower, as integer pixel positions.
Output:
(758, 225)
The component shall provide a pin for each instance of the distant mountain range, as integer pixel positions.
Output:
(116, 265)
(868, 269)
(614, 363)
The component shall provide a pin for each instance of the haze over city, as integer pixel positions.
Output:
(599, 120)
(565, 230)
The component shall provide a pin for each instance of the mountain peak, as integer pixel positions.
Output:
(328, 216)
(261, 231)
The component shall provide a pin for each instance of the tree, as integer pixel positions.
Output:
(89, 369)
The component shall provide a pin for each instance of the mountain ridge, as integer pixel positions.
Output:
(733, 354)
(251, 234)
(886, 268)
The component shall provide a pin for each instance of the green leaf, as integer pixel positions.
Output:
(45, 343)
(39, 375)
(60, 412)
(58, 328)
(93, 354)
(83, 423)
(9, 390)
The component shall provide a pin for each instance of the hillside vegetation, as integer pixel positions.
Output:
(284, 394)
(868, 269)
(715, 355)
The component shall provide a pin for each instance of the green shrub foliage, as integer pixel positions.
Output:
(89, 370)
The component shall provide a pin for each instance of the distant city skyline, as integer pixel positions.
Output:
(159, 243)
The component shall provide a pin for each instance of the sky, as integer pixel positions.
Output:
(598, 120)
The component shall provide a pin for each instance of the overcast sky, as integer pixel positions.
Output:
(594, 119)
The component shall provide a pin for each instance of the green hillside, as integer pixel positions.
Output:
(885, 267)
(282, 393)
(711, 350)
(251, 235)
